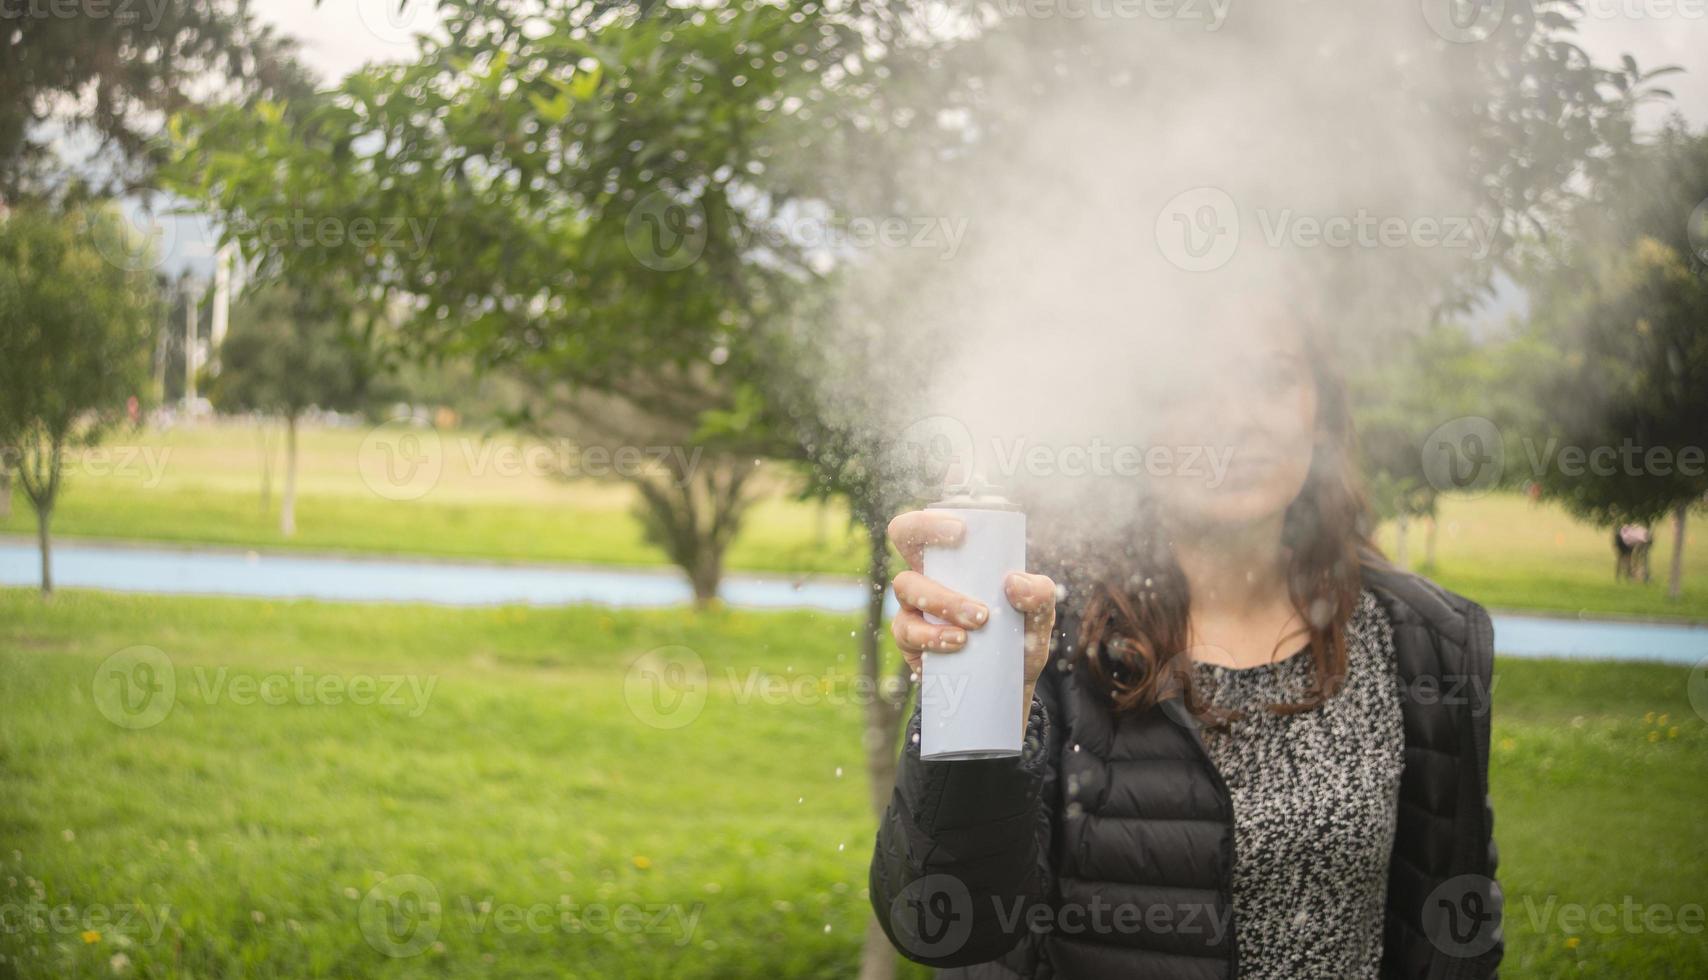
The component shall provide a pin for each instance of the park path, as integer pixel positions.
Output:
(162, 570)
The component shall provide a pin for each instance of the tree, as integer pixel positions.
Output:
(594, 250)
(75, 333)
(287, 353)
(6, 483)
(1433, 380)
(692, 489)
(113, 75)
(1621, 391)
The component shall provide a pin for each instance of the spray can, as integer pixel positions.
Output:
(970, 699)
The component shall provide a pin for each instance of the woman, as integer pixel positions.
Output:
(1253, 749)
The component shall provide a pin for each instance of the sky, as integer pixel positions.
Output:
(339, 35)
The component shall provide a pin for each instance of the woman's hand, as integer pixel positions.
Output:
(1033, 595)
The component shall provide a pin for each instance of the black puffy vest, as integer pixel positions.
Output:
(1106, 849)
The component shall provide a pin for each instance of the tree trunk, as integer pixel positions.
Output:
(5, 488)
(1401, 524)
(878, 959)
(883, 721)
(693, 513)
(1429, 543)
(266, 439)
(288, 514)
(1675, 578)
(705, 576)
(44, 535)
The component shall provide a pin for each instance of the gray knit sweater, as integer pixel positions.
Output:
(1315, 796)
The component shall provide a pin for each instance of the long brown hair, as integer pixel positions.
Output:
(1134, 625)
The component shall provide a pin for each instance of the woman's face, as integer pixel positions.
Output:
(1248, 406)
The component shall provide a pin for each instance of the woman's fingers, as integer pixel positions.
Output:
(914, 531)
(1031, 594)
(918, 592)
(914, 635)
(1035, 597)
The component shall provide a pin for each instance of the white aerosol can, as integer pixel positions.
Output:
(970, 698)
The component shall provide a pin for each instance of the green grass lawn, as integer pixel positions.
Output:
(1508, 553)
(520, 768)
(201, 485)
